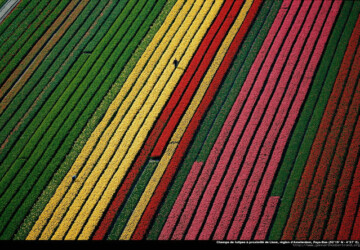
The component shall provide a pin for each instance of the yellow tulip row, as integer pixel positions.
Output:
(124, 134)
(99, 131)
(148, 113)
(170, 150)
(137, 108)
(142, 109)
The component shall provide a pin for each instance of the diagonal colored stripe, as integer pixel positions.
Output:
(332, 140)
(324, 198)
(184, 122)
(140, 41)
(176, 106)
(355, 235)
(254, 121)
(98, 185)
(191, 128)
(140, 161)
(181, 199)
(210, 163)
(132, 200)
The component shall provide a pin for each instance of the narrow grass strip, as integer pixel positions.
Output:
(38, 145)
(132, 200)
(13, 23)
(37, 171)
(2, 3)
(33, 192)
(15, 52)
(20, 19)
(11, 200)
(29, 103)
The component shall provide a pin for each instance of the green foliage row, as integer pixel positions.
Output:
(129, 206)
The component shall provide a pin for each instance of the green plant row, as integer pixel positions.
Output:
(216, 115)
(12, 54)
(131, 202)
(69, 114)
(299, 146)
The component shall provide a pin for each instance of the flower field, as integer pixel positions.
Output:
(180, 120)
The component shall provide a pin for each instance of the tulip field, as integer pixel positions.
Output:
(168, 120)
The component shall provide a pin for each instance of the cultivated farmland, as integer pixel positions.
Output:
(195, 120)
